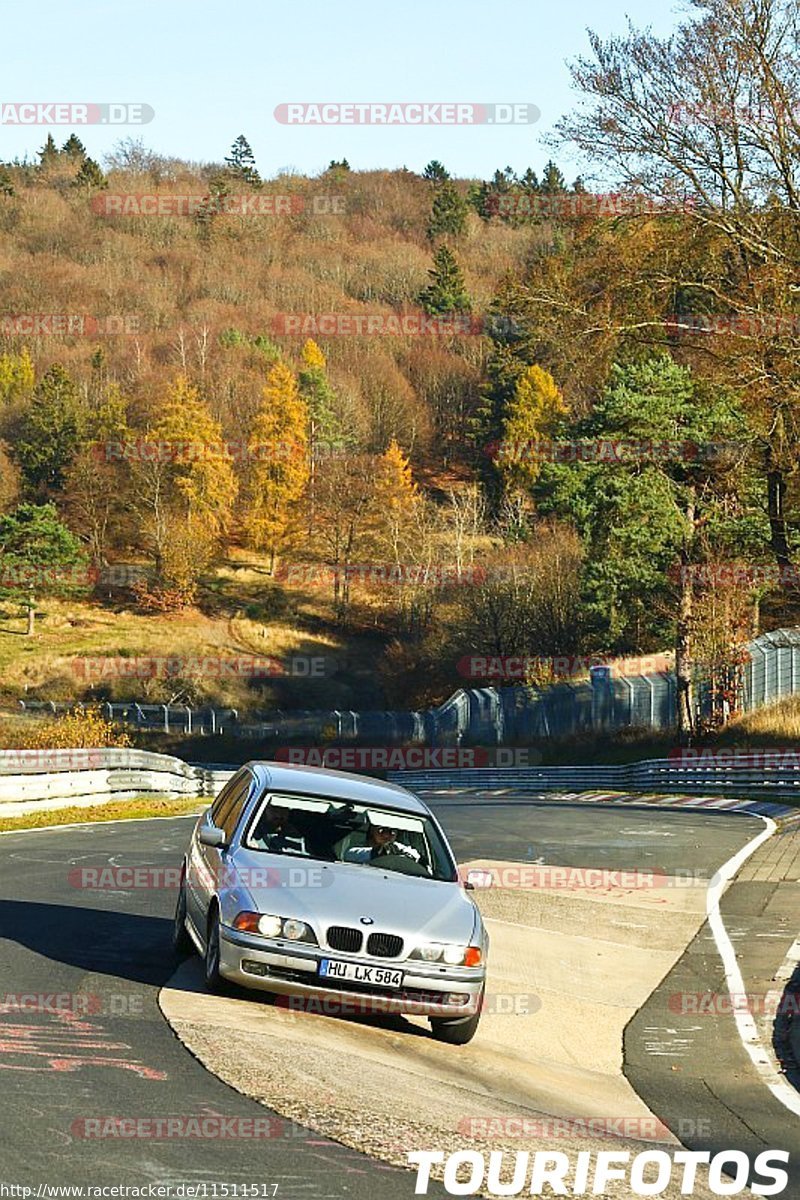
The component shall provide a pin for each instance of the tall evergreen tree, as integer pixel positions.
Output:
(51, 431)
(448, 213)
(552, 180)
(49, 152)
(325, 434)
(90, 175)
(241, 162)
(435, 172)
(446, 292)
(74, 148)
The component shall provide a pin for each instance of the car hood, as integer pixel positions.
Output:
(324, 894)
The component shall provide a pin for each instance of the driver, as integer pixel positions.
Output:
(381, 839)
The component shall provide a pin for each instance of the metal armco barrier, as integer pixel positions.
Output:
(762, 779)
(30, 775)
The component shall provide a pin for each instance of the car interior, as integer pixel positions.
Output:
(328, 831)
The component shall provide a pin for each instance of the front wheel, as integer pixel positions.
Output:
(181, 942)
(214, 981)
(460, 1031)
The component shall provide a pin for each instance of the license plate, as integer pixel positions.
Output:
(360, 973)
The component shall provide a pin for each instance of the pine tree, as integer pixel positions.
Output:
(324, 431)
(448, 213)
(49, 152)
(32, 535)
(90, 175)
(315, 388)
(446, 293)
(552, 180)
(241, 162)
(74, 148)
(51, 431)
(435, 172)
(279, 467)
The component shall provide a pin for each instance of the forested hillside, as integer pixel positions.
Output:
(518, 416)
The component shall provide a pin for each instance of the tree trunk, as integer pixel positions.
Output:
(776, 495)
(683, 639)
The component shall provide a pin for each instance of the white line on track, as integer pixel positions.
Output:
(745, 1022)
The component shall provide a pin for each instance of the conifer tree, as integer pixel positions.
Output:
(201, 475)
(279, 467)
(49, 152)
(241, 162)
(532, 415)
(446, 293)
(448, 213)
(90, 175)
(74, 148)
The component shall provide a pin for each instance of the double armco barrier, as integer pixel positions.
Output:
(767, 777)
(57, 776)
(66, 775)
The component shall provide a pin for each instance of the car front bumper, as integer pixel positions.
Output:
(292, 970)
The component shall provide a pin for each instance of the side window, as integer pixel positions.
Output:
(229, 819)
(223, 799)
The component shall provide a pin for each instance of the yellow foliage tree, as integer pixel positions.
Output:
(83, 728)
(531, 416)
(279, 468)
(312, 357)
(200, 463)
(17, 375)
(396, 500)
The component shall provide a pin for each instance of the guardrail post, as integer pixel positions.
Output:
(166, 718)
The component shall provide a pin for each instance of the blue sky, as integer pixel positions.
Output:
(212, 70)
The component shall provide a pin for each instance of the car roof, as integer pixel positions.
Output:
(335, 785)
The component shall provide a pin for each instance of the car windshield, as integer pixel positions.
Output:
(340, 831)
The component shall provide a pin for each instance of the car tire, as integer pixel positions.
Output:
(182, 945)
(459, 1032)
(214, 981)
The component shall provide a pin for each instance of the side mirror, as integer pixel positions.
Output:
(211, 836)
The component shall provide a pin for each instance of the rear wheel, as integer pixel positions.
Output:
(181, 942)
(214, 981)
(458, 1032)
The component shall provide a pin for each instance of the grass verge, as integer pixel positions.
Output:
(115, 810)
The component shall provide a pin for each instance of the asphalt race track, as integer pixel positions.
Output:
(105, 954)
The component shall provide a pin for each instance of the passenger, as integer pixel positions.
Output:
(381, 839)
(276, 832)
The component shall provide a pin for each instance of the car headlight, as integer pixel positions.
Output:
(454, 956)
(270, 926)
(295, 931)
(274, 927)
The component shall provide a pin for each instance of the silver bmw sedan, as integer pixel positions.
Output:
(337, 892)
